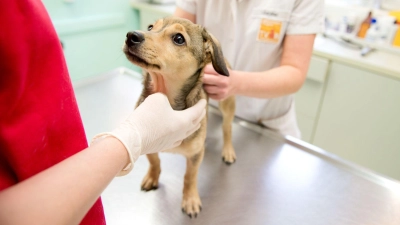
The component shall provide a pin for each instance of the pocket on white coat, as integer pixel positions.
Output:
(269, 24)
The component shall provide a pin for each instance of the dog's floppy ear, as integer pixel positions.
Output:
(213, 48)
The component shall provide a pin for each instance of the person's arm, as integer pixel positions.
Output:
(64, 193)
(283, 80)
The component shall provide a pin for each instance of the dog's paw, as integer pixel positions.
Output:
(191, 205)
(228, 155)
(150, 181)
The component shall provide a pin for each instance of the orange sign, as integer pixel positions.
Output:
(269, 31)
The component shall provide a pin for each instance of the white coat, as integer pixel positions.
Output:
(251, 34)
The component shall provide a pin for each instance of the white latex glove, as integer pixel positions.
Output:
(154, 126)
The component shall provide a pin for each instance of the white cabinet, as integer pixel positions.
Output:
(360, 119)
(308, 98)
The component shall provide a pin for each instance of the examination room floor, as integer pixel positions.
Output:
(274, 181)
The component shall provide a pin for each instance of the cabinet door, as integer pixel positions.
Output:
(360, 119)
(92, 53)
(93, 34)
(308, 98)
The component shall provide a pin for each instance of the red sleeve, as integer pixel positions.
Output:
(40, 124)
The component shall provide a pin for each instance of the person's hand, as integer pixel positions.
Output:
(154, 126)
(160, 127)
(217, 86)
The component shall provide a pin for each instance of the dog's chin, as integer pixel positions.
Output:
(139, 61)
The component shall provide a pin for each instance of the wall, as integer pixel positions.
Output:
(93, 33)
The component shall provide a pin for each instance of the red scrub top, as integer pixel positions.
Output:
(40, 124)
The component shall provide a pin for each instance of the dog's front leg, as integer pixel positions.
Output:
(227, 108)
(191, 203)
(150, 181)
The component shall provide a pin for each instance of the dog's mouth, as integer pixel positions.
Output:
(134, 57)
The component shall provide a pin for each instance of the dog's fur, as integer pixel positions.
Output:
(177, 69)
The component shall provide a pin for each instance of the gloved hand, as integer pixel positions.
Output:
(154, 126)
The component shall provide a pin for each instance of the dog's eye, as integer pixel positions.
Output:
(150, 27)
(178, 39)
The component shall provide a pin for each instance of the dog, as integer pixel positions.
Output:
(173, 53)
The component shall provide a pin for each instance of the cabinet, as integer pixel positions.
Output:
(308, 98)
(92, 53)
(360, 119)
(93, 34)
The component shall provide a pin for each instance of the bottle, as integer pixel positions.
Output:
(373, 32)
(365, 26)
(391, 33)
(396, 28)
(343, 25)
(351, 23)
(396, 38)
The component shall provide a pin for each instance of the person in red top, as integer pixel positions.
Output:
(48, 174)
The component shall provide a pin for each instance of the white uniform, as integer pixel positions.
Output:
(251, 34)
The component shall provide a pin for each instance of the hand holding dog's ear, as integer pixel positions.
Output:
(218, 87)
(154, 126)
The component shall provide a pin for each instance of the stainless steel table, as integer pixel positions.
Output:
(275, 180)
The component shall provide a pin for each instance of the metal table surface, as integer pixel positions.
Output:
(275, 180)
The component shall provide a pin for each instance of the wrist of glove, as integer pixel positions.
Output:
(130, 138)
(154, 126)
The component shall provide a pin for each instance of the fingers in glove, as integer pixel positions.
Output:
(196, 121)
(196, 111)
(176, 144)
(188, 133)
(157, 98)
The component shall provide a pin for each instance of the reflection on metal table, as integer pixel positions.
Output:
(275, 180)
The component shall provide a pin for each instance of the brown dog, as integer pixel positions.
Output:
(173, 54)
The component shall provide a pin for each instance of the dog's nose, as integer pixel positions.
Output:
(134, 38)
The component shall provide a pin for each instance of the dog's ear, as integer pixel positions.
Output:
(213, 49)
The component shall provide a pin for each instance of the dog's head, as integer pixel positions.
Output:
(174, 47)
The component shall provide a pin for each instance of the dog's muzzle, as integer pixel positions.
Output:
(134, 38)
